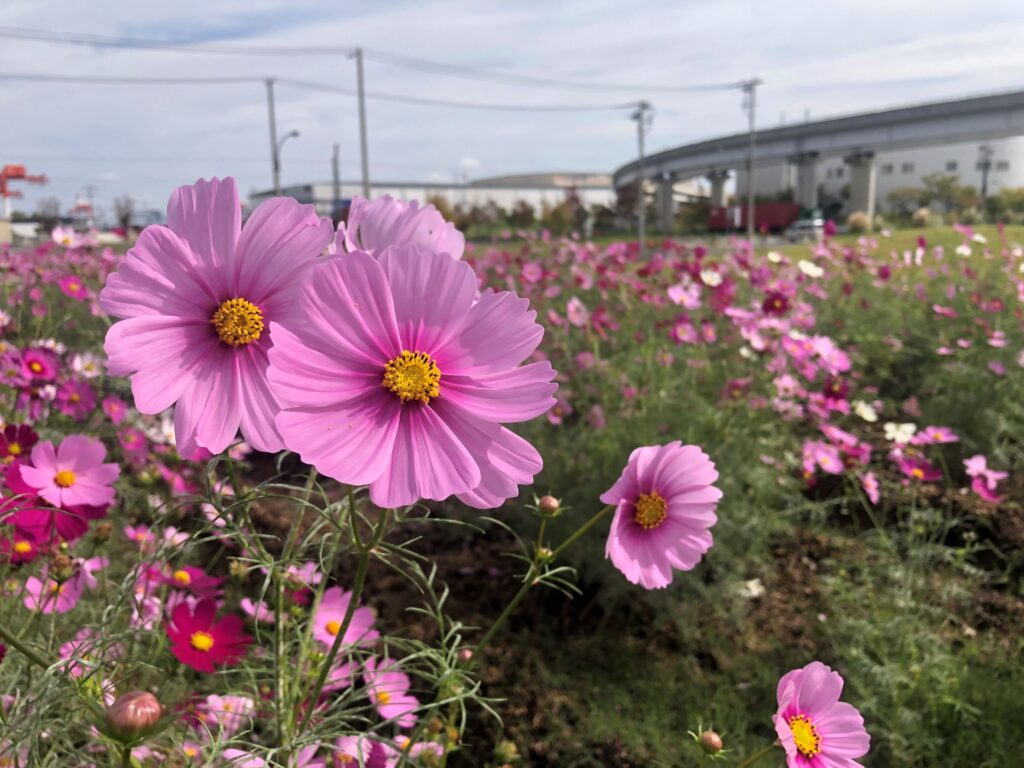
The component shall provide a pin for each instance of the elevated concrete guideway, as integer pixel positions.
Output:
(855, 137)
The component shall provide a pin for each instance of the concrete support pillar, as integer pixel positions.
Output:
(863, 178)
(806, 192)
(664, 203)
(718, 179)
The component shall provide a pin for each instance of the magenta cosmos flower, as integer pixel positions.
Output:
(198, 296)
(72, 475)
(374, 225)
(200, 642)
(399, 378)
(815, 728)
(664, 505)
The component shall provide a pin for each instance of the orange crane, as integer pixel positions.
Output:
(11, 173)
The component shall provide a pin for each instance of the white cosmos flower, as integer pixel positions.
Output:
(899, 433)
(809, 268)
(710, 278)
(865, 411)
(774, 257)
(979, 238)
(963, 250)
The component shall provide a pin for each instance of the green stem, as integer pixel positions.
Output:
(15, 642)
(126, 757)
(757, 755)
(350, 611)
(531, 578)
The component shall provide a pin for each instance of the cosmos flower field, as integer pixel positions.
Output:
(277, 493)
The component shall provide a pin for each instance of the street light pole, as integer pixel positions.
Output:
(985, 153)
(641, 117)
(275, 160)
(749, 88)
(336, 174)
(358, 56)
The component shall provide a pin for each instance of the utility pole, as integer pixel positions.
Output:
(985, 153)
(749, 88)
(336, 197)
(275, 159)
(642, 117)
(358, 56)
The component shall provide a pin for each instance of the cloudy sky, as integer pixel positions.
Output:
(145, 140)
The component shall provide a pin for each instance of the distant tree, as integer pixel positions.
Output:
(1008, 203)
(124, 209)
(441, 203)
(693, 216)
(48, 213)
(946, 190)
(523, 215)
(558, 219)
(905, 200)
(604, 219)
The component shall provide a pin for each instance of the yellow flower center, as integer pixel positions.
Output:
(66, 240)
(182, 578)
(201, 641)
(917, 472)
(65, 478)
(22, 547)
(36, 367)
(333, 627)
(413, 376)
(14, 449)
(343, 758)
(650, 510)
(383, 697)
(805, 735)
(74, 397)
(238, 322)
(73, 286)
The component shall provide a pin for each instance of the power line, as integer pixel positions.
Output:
(309, 85)
(397, 60)
(107, 41)
(509, 78)
(458, 104)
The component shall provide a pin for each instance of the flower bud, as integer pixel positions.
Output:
(133, 715)
(505, 751)
(465, 654)
(548, 505)
(103, 530)
(711, 742)
(237, 568)
(62, 567)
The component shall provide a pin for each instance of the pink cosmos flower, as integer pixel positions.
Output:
(819, 454)
(39, 364)
(76, 399)
(66, 236)
(73, 287)
(919, 469)
(870, 484)
(388, 689)
(665, 505)
(228, 712)
(50, 596)
(375, 225)
(200, 642)
(815, 728)
(934, 436)
(115, 408)
(984, 481)
(350, 750)
(198, 297)
(577, 312)
(72, 475)
(331, 615)
(400, 378)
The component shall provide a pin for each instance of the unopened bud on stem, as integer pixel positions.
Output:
(548, 505)
(711, 742)
(133, 715)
